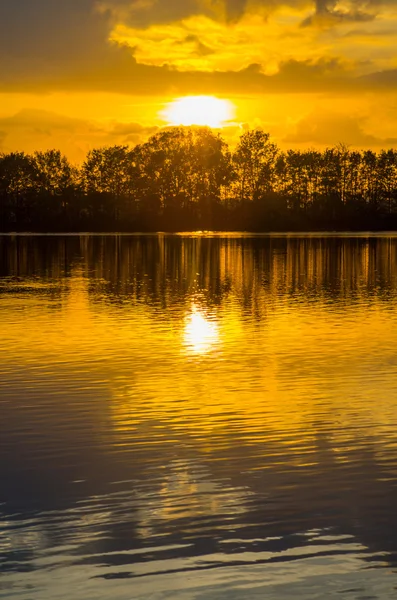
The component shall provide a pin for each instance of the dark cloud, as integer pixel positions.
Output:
(42, 41)
(51, 30)
(235, 8)
(365, 33)
(142, 14)
(119, 72)
(327, 12)
(50, 46)
(382, 80)
(299, 72)
(136, 13)
(200, 48)
(329, 129)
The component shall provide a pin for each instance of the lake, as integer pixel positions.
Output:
(198, 417)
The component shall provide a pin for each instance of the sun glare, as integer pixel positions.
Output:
(200, 334)
(199, 110)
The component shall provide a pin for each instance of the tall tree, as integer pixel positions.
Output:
(108, 177)
(255, 160)
(18, 179)
(55, 174)
(180, 167)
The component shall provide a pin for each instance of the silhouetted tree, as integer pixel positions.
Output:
(182, 169)
(18, 180)
(108, 177)
(187, 178)
(254, 160)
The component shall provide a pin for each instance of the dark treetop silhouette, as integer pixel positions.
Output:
(188, 178)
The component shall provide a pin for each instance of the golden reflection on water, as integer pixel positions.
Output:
(296, 336)
(227, 389)
(201, 334)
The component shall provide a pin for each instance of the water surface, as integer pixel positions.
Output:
(198, 417)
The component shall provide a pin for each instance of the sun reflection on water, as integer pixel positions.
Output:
(201, 334)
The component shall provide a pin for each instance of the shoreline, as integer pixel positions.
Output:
(207, 233)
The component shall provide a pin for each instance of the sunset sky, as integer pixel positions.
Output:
(76, 74)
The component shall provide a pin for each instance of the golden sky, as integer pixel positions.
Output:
(83, 73)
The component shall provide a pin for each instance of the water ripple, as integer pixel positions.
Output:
(198, 417)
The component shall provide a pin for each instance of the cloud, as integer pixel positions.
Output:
(143, 13)
(50, 31)
(44, 43)
(130, 133)
(31, 130)
(325, 75)
(158, 48)
(253, 52)
(367, 33)
(330, 128)
(154, 48)
(381, 80)
(331, 12)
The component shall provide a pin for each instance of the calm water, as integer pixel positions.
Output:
(198, 417)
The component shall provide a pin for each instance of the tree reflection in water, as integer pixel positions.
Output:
(174, 404)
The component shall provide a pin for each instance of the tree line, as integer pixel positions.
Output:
(186, 178)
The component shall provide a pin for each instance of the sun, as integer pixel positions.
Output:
(199, 110)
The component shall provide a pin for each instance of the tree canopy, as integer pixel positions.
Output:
(186, 178)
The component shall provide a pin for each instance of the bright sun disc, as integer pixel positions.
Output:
(199, 110)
